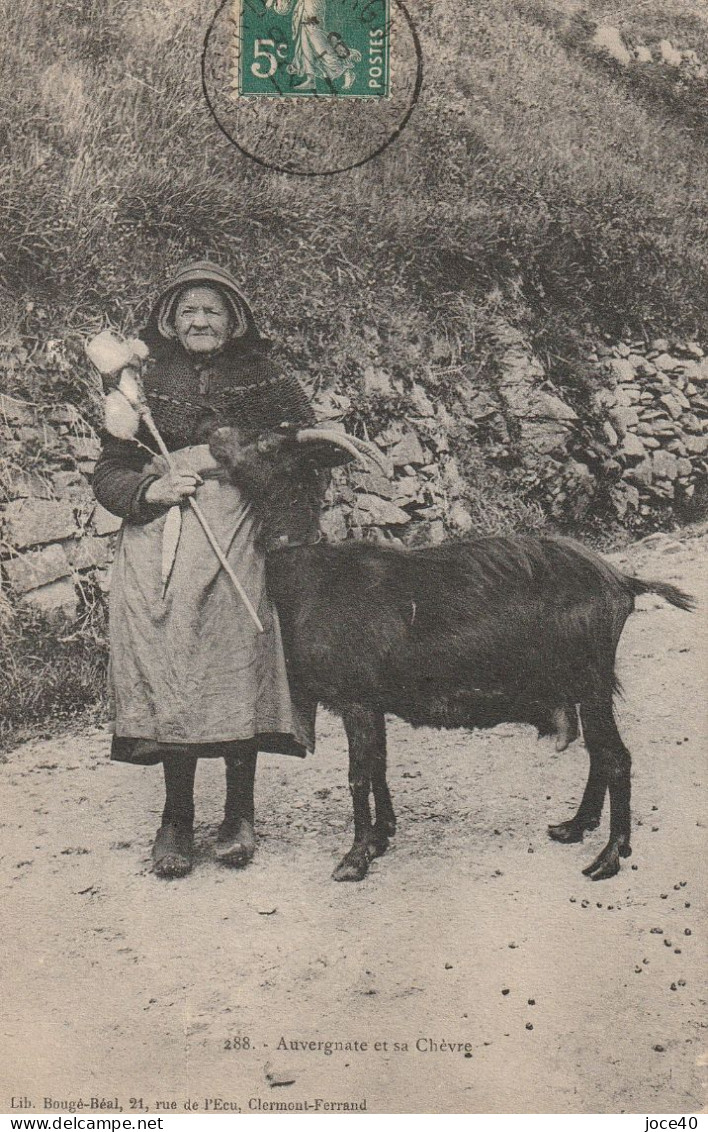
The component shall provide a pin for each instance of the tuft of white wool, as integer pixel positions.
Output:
(122, 419)
(131, 387)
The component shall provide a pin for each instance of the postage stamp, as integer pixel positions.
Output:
(312, 48)
(312, 87)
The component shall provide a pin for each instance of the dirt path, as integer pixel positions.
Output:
(120, 985)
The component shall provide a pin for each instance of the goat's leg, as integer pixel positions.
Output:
(236, 839)
(364, 735)
(604, 743)
(385, 824)
(590, 808)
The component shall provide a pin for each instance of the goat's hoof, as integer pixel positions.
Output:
(235, 844)
(608, 862)
(379, 842)
(172, 851)
(567, 832)
(354, 866)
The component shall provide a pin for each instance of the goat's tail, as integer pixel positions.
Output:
(670, 593)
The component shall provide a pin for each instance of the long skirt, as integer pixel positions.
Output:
(189, 670)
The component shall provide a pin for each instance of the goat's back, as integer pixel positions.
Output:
(520, 617)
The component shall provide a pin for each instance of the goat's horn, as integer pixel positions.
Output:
(368, 449)
(328, 436)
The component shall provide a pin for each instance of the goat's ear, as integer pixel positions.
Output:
(225, 445)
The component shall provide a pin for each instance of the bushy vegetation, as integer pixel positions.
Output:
(535, 181)
(48, 676)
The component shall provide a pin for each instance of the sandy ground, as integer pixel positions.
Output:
(571, 996)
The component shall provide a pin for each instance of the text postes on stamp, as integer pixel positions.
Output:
(312, 48)
(312, 87)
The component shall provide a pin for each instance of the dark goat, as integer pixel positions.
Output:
(471, 633)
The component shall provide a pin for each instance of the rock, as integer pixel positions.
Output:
(622, 370)
(477, 403)
(696, 445)
(605, 398)
(641, 473)
(421, 402)
(65, 414)
(88, 552)
(650, 442)
(373, 483)
(661, 345)
(672, 404)
(373, 511)
(624, 417)
(33, 522)
(404, 490)
(610, 434)
(104, 523)
(624, 496)
(65, 484)
(437, 439)
(694, 349)
(18, 484)
(622, 350)
(330, 406)
(452, 478)
(56, 600)
(543, 438)
(103, 580)
(425, 534)
(37, 568)
(628, 394)
(391, 435)
(683, 466)
(548, 405)
(609, 39)
(376, 381)
(460, 517)
(667, 363)
(669, 54)
(447, 421)
(677, 446)
(16, 412)
(642, 54)
(632, 446)
(333, 524)
(664, 464)
(409, 450)
(84, 447)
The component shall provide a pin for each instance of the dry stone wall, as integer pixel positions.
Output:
(55, 540)
(655, 402)
(638, 444)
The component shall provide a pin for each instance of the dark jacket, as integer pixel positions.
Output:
(189, 397)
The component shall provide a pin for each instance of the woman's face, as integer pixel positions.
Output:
(202, 320)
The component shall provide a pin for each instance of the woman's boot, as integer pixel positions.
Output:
(236, 839)
(172, 852)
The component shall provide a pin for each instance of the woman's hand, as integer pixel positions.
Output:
(173, 487)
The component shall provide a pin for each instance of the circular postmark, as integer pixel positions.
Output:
(312, 87)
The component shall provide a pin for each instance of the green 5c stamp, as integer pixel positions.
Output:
(313, 48)
(312, 88)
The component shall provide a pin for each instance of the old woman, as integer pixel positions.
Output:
(190, 675)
